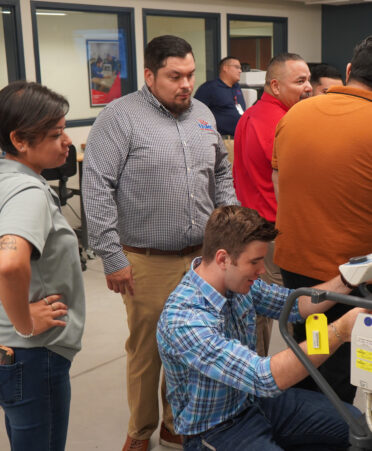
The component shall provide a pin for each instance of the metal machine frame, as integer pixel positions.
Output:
(360, 435)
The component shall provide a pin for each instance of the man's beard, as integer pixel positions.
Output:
(177, 108)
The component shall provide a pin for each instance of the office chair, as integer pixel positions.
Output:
(246, 67)
(62, 173)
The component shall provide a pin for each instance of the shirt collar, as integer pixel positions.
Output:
(222, 83)
(149, 96)
(7, 166)
(210, 294)
(350, 90)
(15, 167)
(268, 98)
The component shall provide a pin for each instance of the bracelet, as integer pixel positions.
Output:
(346, 283)
(25, 335)
(336, 332)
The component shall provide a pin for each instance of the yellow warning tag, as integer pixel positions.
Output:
(317, 334)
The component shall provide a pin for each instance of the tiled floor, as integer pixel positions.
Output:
(99, 414)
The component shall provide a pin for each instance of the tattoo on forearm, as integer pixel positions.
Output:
(8, 243)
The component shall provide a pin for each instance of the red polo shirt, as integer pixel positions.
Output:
(253, 149)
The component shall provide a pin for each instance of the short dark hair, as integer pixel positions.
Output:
(223, 61)
(278, 60)
(323, 70)
(30, 110)
(232, 228)
(361, 63)
(161, 48)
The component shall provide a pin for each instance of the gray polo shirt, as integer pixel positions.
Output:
(30, 209)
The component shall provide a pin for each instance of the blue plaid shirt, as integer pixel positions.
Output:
(207, 345)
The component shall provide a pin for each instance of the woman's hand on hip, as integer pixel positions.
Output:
(45, 313)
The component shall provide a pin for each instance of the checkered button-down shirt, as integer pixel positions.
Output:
(207, 345)
(151, 179)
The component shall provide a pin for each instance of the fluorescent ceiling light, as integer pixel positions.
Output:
(50, 14)
(6, 12)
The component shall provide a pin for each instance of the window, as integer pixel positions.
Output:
(200, 30)
(85, 53)
(11, 49)
(254, 40)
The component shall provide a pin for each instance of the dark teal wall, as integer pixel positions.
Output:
(342, 28)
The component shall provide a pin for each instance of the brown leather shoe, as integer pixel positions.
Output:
(132, 444)
(168, 439)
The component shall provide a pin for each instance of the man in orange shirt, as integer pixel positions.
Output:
(323, 170)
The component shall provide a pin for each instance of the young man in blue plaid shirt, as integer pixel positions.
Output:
(223, 395)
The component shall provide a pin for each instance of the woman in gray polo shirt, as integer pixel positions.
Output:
(41, 287)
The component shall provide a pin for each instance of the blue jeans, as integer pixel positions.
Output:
(297, 420)
(35, 395)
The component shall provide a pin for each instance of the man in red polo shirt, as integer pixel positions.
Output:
(287, 82)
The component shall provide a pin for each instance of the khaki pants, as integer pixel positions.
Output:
(155, 277)
(229, 144)
(264, 325)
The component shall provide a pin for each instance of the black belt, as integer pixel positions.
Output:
(150, 251)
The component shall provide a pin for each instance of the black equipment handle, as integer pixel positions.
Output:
(360, 436)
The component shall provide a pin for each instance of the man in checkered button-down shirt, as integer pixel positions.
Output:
(225, 396)
(154, 169)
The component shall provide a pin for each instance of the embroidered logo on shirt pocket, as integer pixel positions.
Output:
(10, 383)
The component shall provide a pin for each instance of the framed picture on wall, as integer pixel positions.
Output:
(104, 71)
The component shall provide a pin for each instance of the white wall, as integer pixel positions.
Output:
(304, 27)
(193, 30)
(62, 44)
(247, 28)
